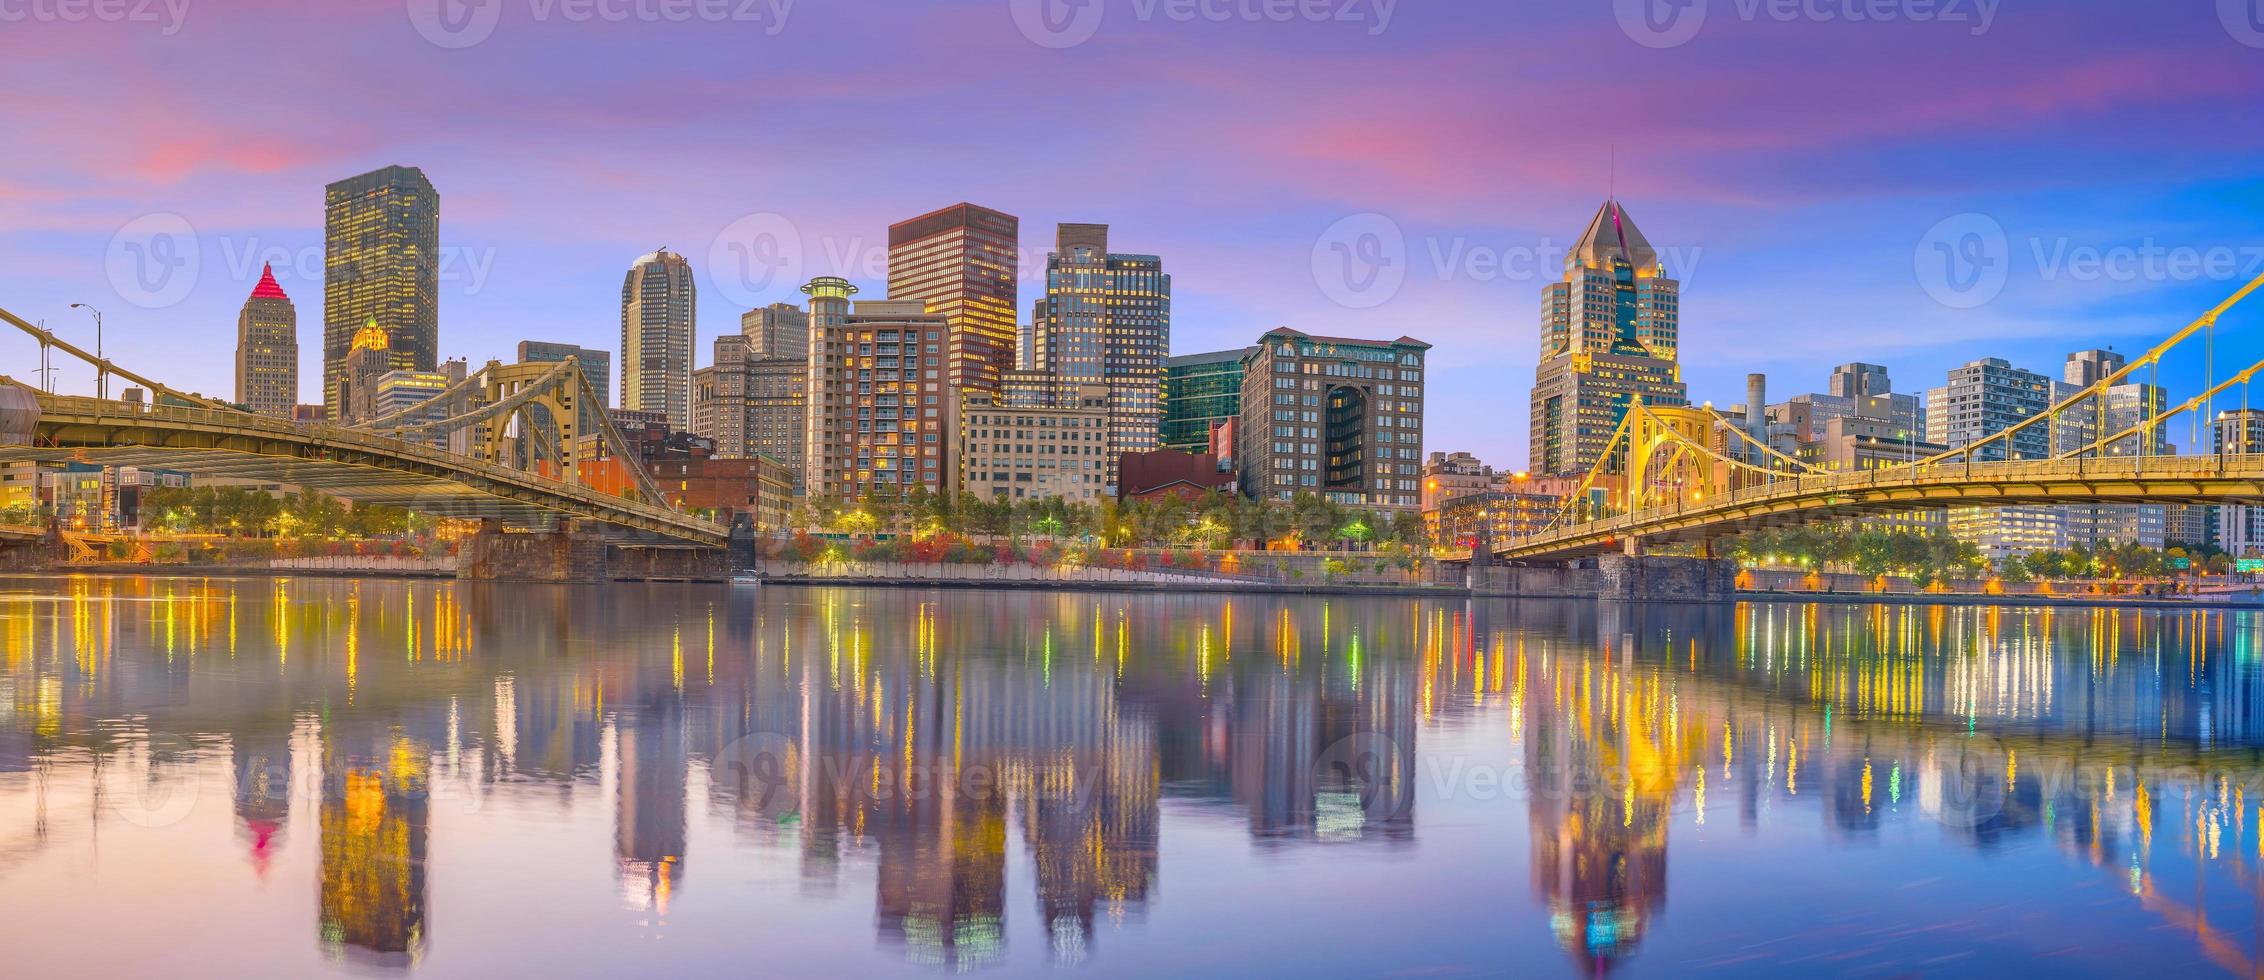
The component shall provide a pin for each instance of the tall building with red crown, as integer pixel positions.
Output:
(267, 349)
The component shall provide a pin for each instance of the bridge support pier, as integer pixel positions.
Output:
(1660, 578)
(569, 554)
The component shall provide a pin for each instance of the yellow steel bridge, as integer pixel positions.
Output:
(1684, 475)
(533, 407)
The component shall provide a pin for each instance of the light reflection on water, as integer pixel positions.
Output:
(220, 777)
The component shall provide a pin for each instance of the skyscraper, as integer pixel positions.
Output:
(381, 260)
(961, 261)
(1610, 336)
(597, 366)
(1107, 321)
(267, 349)
(881, 417)
(657, 310)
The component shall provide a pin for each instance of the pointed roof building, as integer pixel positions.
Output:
(268, 288)
(1612, 234)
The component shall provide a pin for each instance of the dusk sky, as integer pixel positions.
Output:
(1806, 175)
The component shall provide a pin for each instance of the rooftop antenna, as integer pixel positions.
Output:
(1611, 179)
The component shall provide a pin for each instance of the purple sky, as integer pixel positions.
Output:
(1798, 168)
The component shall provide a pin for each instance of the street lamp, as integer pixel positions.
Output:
(101, 371)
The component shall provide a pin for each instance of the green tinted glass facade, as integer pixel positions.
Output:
(1199, 391)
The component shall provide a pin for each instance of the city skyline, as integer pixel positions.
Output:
(2113, 150)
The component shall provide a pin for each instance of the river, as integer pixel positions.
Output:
(223, 777)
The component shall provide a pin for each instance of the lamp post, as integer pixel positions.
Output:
(102, 370)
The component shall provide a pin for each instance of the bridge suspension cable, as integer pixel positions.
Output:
(48, 338)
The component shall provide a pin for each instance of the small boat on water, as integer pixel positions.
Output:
(748, 580)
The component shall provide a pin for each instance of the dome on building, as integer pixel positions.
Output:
(371, 337)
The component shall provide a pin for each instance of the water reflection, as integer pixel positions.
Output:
(998, 778)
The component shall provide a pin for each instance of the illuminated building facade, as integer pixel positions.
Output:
(1106, 319)
(267, 350)
(1017, 452)
(880, 412)
(381, 262)
(1200, 391)
(1610, 336)
(1333, 416)
(961, 261)
(658, 306)
(2240, 527)
(369, 357)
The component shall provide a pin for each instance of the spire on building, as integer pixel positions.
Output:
(268, 288)
(1612, 234)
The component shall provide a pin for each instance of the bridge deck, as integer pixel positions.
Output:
(351, 463)
(2111, 480)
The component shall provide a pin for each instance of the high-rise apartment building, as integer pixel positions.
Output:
(397, 390)
(2240, 527)
(1032, 452)
(381, 260)
(658, 303)
(961, 261)
(1610, 336)
(1107, 321)
(1981, 399)
(2116, 409)
(1338, 417)
(1200, 391)
(1985, 397)
(267, 349)
(880, 409)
